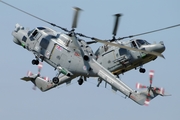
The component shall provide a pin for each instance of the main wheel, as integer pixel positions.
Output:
(80, 81)
(142, 70)
(55, 80)
(35, 62)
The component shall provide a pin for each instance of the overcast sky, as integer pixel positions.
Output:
(87, 102)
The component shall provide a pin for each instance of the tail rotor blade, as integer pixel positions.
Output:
(139, 86)
(39, 67)
(29, 73)
(46, 78)
(151, 75)
(147, 101)
(162, 91)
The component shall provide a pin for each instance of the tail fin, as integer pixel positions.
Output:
(144, 97)
(42, 83)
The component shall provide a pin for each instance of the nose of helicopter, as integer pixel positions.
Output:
(18, 34)
(159, 47)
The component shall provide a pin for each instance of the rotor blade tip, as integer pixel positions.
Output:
(77, 8)
(118, 14)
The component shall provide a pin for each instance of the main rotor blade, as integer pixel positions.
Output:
(35, 16)
(116, 23)
(128, 48)
(91, 42)
(165, 28)
(75, 18)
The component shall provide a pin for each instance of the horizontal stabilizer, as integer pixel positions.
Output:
(44, 84)
(26, 79)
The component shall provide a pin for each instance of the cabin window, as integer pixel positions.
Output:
(44, 43)
(122, 51)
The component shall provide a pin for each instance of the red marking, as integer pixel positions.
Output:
(40, 65)
(132, 97)
(137, 85)
(146, 103)
(49, 85)
(76, 54)
(58, 47)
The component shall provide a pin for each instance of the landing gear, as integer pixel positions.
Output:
(80, 81)
(55, 80)
(99, 82)
(35, 62)
(142, 70)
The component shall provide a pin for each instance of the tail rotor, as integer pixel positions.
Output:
(30, 74)
(151, 91)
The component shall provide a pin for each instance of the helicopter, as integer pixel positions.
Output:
(72, 57)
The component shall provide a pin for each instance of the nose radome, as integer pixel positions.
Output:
(18, 27)
(16, 41)
(160, 47)
(18, 34)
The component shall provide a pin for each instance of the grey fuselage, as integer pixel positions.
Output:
(60, 50)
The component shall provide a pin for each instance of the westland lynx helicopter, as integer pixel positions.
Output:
(73, 57)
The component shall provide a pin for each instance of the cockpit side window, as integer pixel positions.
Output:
(134, 44)
(141, 42)
(33, 35)
(29, 32)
